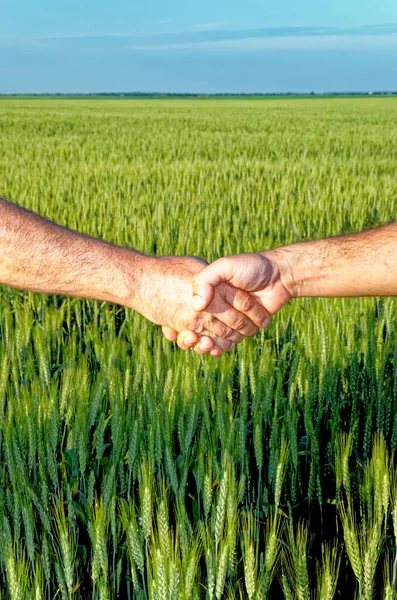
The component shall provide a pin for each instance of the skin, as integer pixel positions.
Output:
(41, 256)
(361, 264)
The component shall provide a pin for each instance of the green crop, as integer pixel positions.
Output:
(130, 469)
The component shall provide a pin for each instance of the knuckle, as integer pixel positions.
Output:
(227, 263)
(222, 262)
(244, 302)
(219, 328)
(239, 323)
(226, 331)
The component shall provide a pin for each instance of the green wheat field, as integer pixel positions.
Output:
(131, 469)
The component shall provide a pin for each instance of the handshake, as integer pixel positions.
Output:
(211, 308)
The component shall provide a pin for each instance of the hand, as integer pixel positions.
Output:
(259, 274)
(165, 293)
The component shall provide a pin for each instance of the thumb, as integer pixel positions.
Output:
(205, 282)
(170, 334)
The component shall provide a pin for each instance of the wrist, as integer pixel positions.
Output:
(289, 269)
(283, 266)
(302, 268)
(128, 277)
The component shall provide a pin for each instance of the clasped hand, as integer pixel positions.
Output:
(211, 308)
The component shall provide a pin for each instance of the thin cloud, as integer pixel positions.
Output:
(212, 25)
(375, 36)
(341, 42)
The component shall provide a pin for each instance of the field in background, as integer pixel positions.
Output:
(131, 469)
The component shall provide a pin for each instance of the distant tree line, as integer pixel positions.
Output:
(201, 95)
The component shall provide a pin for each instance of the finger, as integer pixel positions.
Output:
(213, 327)
(223, 344)
(216, 352)
(204, 283)
(187, 339)
(233, 319)
(234, 336)
(208, 342)
(170, 334)
(204, 345)
(246, 304)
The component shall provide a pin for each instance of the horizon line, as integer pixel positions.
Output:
(144, 93)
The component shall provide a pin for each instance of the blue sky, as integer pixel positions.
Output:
(206, 46)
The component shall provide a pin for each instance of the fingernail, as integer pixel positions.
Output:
(229, 346)
(203, 347)
(266, 322)
(197, 302)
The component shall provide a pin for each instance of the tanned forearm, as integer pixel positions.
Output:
(40, 256)
(362, 264)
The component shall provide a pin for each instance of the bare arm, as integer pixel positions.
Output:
(360, 264)
(41, 256)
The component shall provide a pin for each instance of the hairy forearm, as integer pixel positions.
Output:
(362, 264)
(40, 256)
